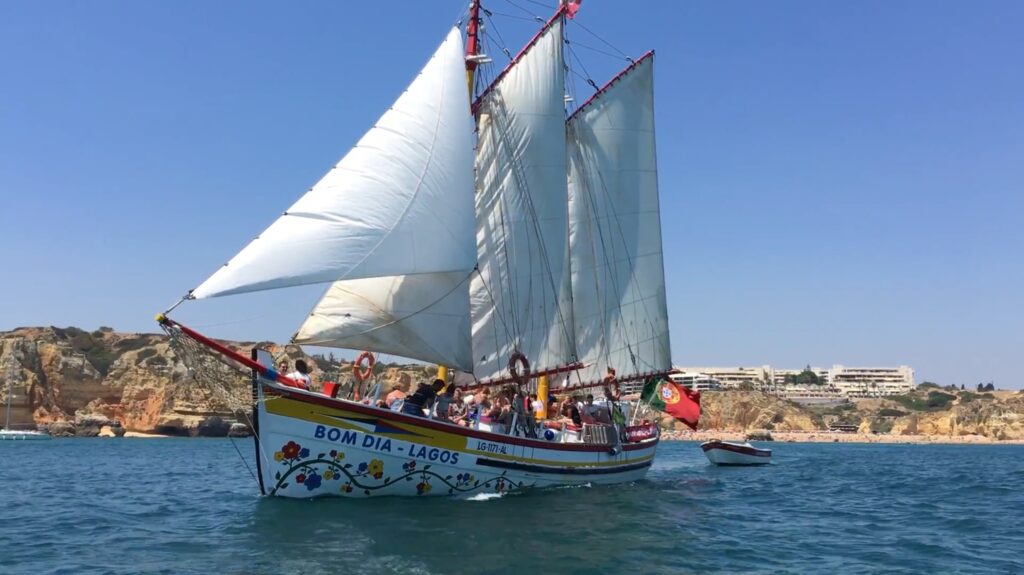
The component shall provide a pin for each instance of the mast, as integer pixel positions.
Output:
(472, 45)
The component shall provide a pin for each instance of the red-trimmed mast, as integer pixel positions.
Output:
(472, 44)
(558, 14)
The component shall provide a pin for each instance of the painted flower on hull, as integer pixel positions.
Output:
(278, 456)
(304, 453)
(291, 450)
(313, 481)
(300, 478)
(422, 488)
(376, 468)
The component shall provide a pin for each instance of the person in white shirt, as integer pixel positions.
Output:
(301, 374)
(538, 405)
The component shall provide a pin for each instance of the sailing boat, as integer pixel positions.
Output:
(484, 234)
(15, 434)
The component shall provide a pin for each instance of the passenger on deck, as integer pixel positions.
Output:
(301, 375)
(609, 377)
(467, 412)
(423, 399)
(536, 405)
(492, 411)
(397, 393)
(553, 407)
(445, 402)
(571, 411)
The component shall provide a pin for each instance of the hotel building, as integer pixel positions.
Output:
(839, 382)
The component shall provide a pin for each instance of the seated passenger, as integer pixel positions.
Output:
(397, 393)
(553, 408)
(506, 413)
(571, 411)
(423, 399)
(588, 411)
(536, 405)
(444, 403)
(468, 412)
(301, 375)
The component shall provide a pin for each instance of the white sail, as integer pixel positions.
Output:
(398, 203)
(423, 316)
(521, 298)
(618, 275)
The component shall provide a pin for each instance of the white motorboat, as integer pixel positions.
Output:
(15, 435)
(728, 453)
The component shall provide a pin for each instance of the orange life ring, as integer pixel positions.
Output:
(514, 362)
(360, 372)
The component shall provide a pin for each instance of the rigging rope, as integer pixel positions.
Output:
(215, 374)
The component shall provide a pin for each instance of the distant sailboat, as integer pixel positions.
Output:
(536, 243)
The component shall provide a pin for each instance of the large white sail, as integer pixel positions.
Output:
(423, 316)
(398, 203)
(521, 298)
(618, 277)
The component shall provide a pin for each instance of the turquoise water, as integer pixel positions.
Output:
(190, 506)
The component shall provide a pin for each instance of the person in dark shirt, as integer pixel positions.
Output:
(571, 410)
(422, 399)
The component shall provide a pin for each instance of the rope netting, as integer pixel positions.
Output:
(213, 378)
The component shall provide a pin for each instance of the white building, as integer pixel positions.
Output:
(872, 381)
(779, 375)
(695, 380)
(838, 382)
(735, 377)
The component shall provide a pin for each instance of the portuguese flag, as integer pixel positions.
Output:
(678, 401)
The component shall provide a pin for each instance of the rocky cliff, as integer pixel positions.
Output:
(926, 411)
(735, 410)
(104, 382)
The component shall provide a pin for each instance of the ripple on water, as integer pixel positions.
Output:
(189, 506)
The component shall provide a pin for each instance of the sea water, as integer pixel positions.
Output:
(191, 506)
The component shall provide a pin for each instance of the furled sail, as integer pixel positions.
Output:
(618, 277)
(398, 203)
(423, 316)
(520, 299)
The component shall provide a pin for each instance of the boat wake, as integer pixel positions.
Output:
(484, 497)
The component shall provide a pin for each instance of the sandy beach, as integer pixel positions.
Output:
(836, 437)
(139, 434)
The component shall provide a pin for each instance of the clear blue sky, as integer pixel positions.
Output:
(842, 182)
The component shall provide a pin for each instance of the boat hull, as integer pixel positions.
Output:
(311, 446)
(10, 435)
(722, 453)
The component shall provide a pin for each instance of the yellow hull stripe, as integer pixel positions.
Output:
(285, 407)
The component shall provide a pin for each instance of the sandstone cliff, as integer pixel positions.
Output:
(104, 382)
(926, 411)
(735, 410)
